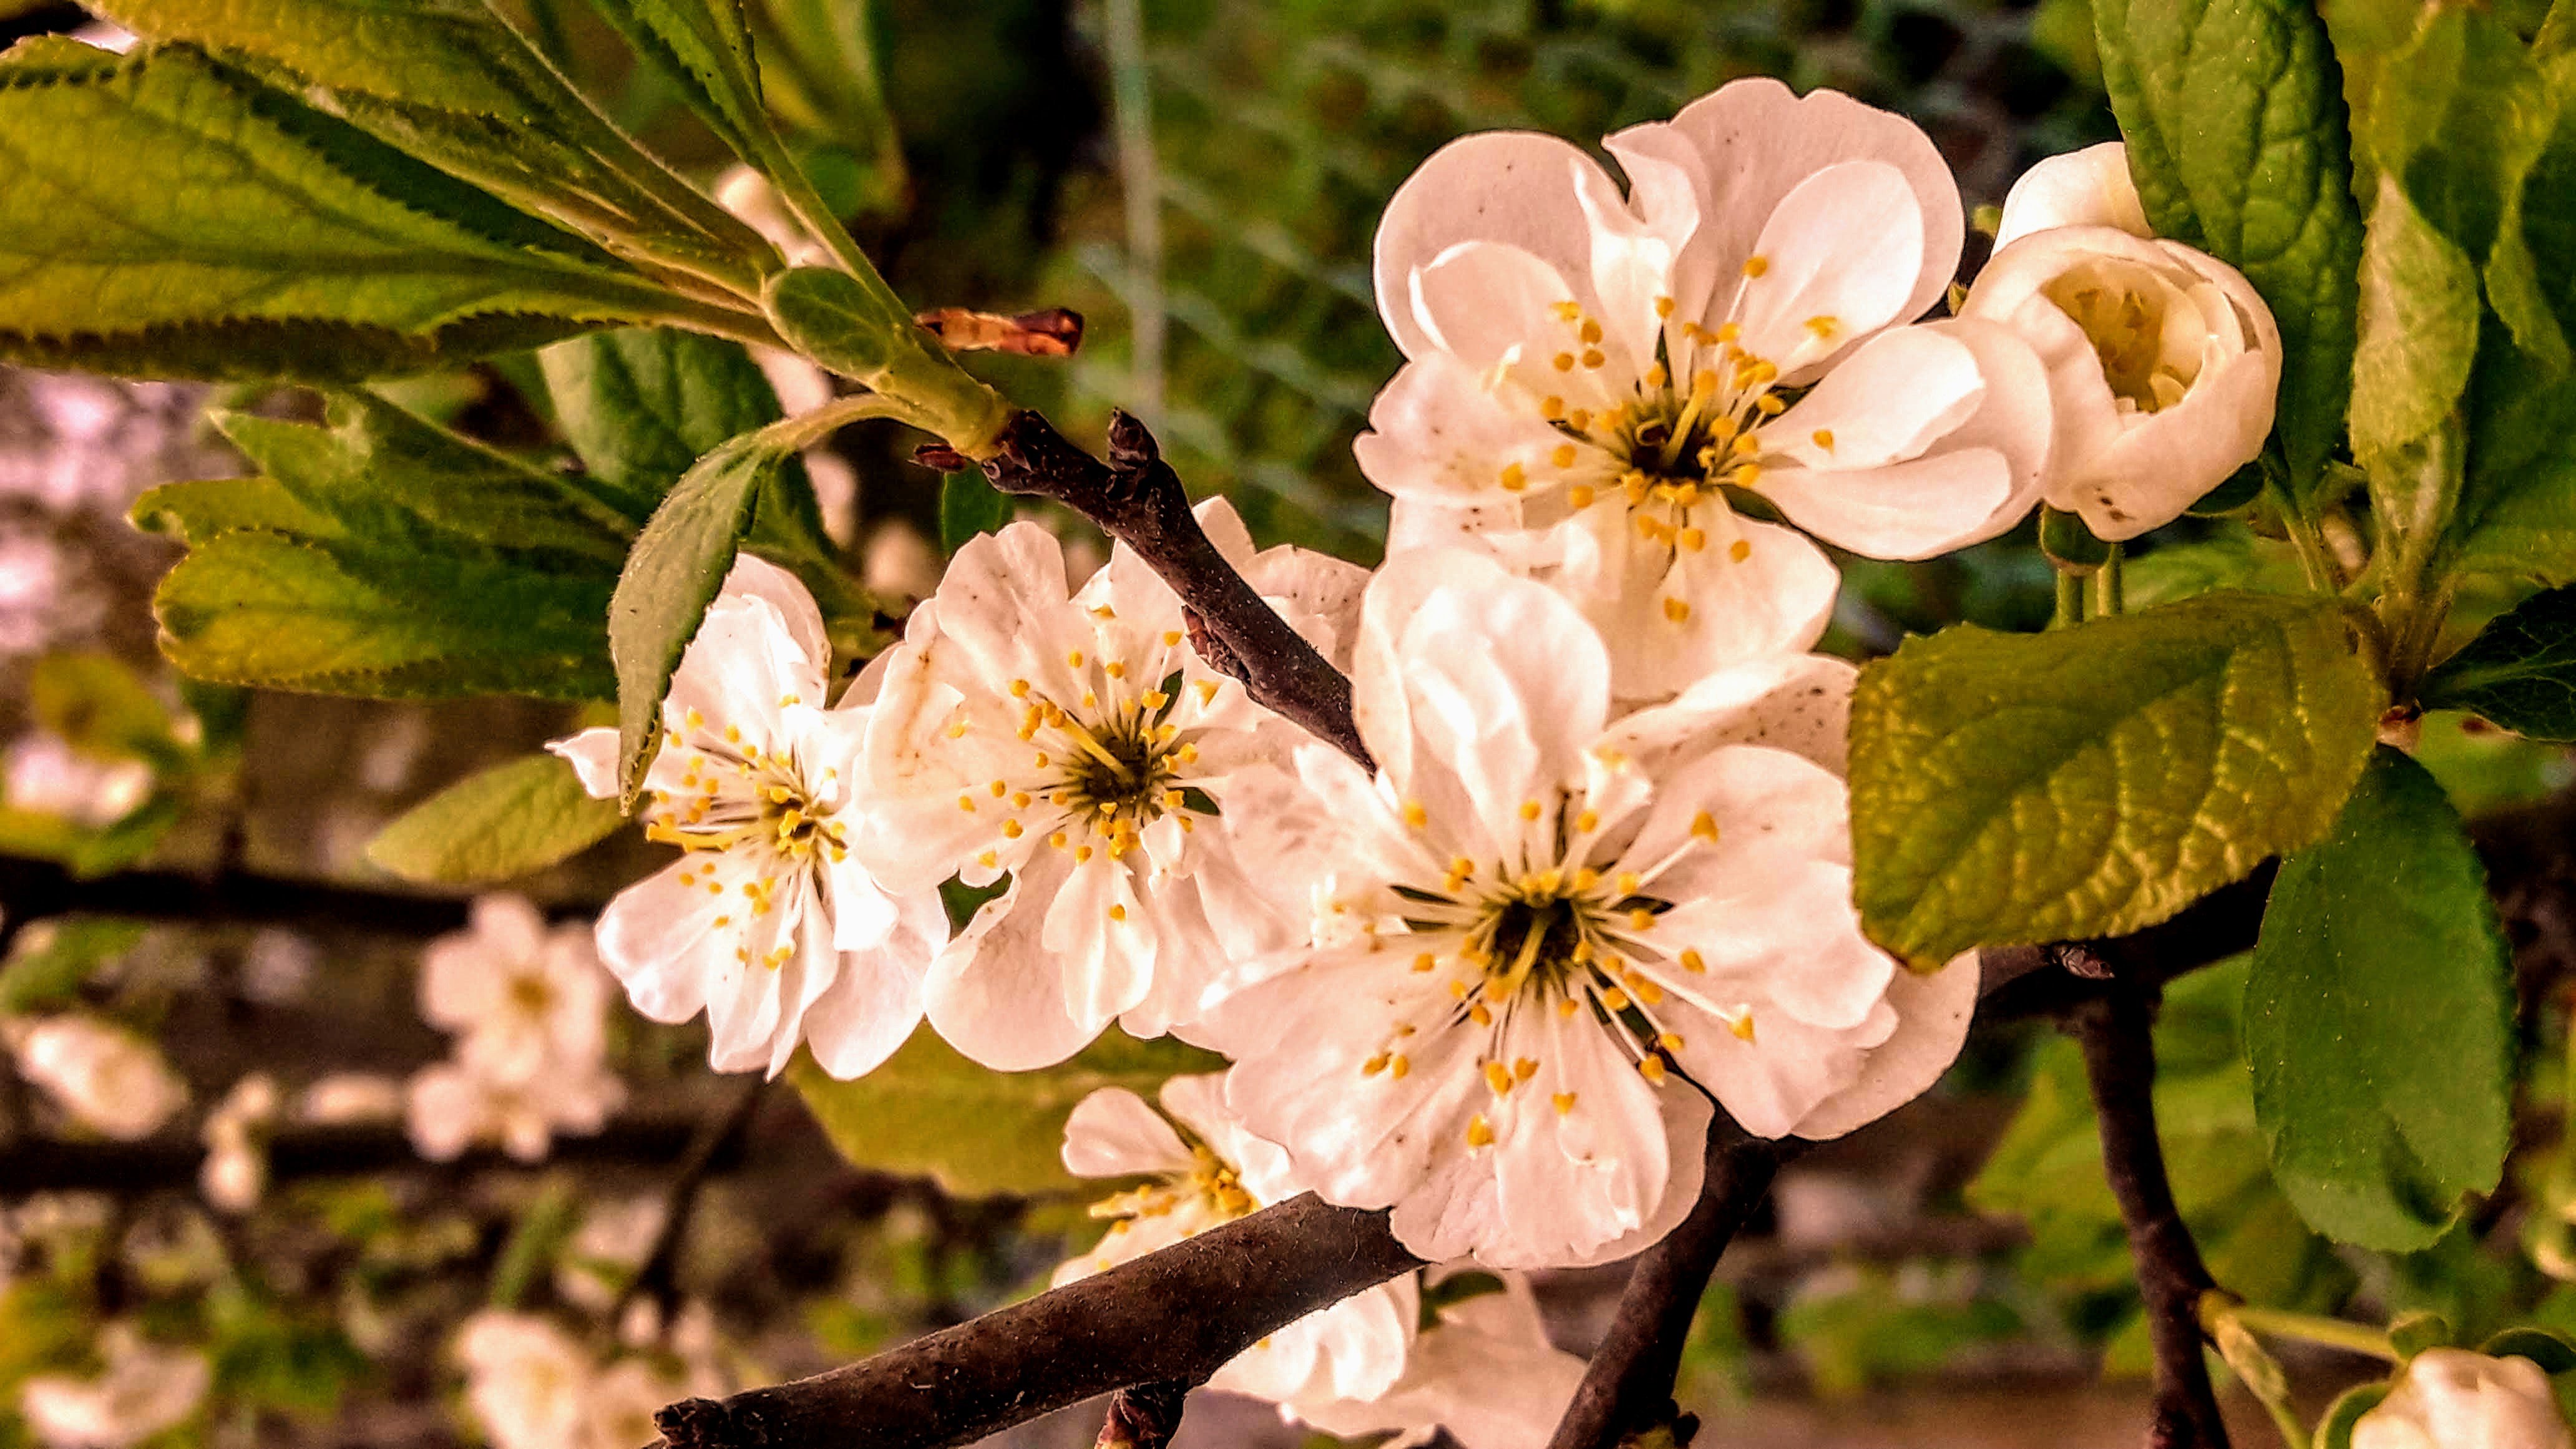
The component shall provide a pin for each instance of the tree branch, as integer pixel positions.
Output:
(1628, 1389)
(35, 890)
(2115, 1030)
(37, 1165)
(1171, 1316)
(1138, 500)
(1143, 1417)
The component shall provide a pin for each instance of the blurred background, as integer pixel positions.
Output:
(1200, 179)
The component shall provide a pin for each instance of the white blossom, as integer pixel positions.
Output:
(450, 1106)
(772, 923)
(532, 1386)
(103, 1076)
(2163, 361)
(522, 999)
(1541, 936)
(1485, 1372)
(1586, 371)
(349, 1098)
(145, 1389)
(1352, 1350)
(46, 775)
(235, 1172)
(2449, 1398)
(1074, 742)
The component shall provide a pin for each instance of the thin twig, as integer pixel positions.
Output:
(2116, 1032)
(1628, 1390)
(714, 1140)
(1176, 1315)
(1138, 500)
(43, 1165)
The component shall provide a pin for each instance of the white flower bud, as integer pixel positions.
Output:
(2449, 1398)
(105, 1077)
(2163, 362)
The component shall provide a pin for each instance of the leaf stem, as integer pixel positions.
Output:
(2108, 596)
(2070, 600)
(2357, 1338)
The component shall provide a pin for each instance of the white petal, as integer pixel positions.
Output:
(1896, 395)
(1902, 511)
(1516, 187)
(1112, 1133)
(876, 999)
(1840, 256)
(1795, 702)
(593, 757)
(1932, 1013)
(2090, 187)
(1776, 599)
(996, 993)
(1438, 434)
(1757, 141)
(759, 579)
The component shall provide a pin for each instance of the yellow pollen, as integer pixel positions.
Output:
(1823, 326)
(1020, 800)
(1754, 266)
(1415, 815)
(1551, 407)
(1397, 1066)
(1590, 331)
(1498, 1078)
(1000, 789)
(1825, 439)
(1669, 1041)
(1628, 882)
(1019, 689)
(1564, 1102)
(1703, 826)
(1057, 840)
(1676, 610)
(1373, 1065)
(1523, 1068)
(1480, 1133)
(1727, 332)
(1585, 824)
(1693, 961)
(1740, 550)
(1566, 311)
(1081, 853)
(1074, 658)
(1641, 919)
(1564, 362)
(1580, 420)
(1693, 539)
(723, 921)
(1567, 1007)
(1647, 991)
(1592, 357)
(1663, 306)
(988, 860)
(1584, 880)
(1514, 478)
(1115, 669)
(1563, 457)
(1207, 691)
(1011, 830)
(1171, 638)
(1529, 809)
(1117, 913)
(966, 803)
(1460, 865)
(1477, 1013)
(1425, 962)
(733, 734)
(1769, 405)
(1156, 699)
(1742, 1026)
(1579, 496)
(1615, 999)
(1652, 1069)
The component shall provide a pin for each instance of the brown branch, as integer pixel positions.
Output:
(1138, 500)
(1628, 1389)
(39, 1165)
(2116, 1032)
(1171, 1316)
(35, 890)
(1143, 1417)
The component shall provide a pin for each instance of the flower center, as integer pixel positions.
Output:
(733, 793)
(1210, 1192)
(2122, 311)
(1105, 770)
(530, 994)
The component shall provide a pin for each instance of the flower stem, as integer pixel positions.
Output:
(2070, 600)
(2107, 593)
(2313, 1328)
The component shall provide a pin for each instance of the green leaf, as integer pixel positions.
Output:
(275, 611)
(705, 46)
(2554, 1351)
(2520, 672)
(828, 315)
(929, 1112)
(2378, 1019)
(244, 234)
(970, 505)
(2412, 1333)
(451, 82)
(2234, 115)
(496, 825)
(53, 958)
(191, 513)
(2334, 1431)
(642, 406)
(2419, 328)
(2011, 788)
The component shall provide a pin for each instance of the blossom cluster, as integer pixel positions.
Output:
(525, 1003)
(1594, 886)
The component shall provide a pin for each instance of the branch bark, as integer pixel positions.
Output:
(1628, 1389)
(1171, 1316)
(1138, 500)
(35, 890)
(2115, 1031)
(43, 1165)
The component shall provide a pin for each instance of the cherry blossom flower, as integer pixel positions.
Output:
(772, 923)
(1074, 742)
(522, 998)
(1354, 1350)
(1542, 936)
(45, 774)
(1485, 1372)
(1608, 367)
(2163, 362)
(104, 1077)
(145, 1389)
(450, 1106)
(235, 1172)
(2449, 1398)
(533, 1387)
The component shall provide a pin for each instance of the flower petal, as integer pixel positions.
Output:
(1932, 1014)
(1515, 187)
(2091, 187)
(1112, 1133)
